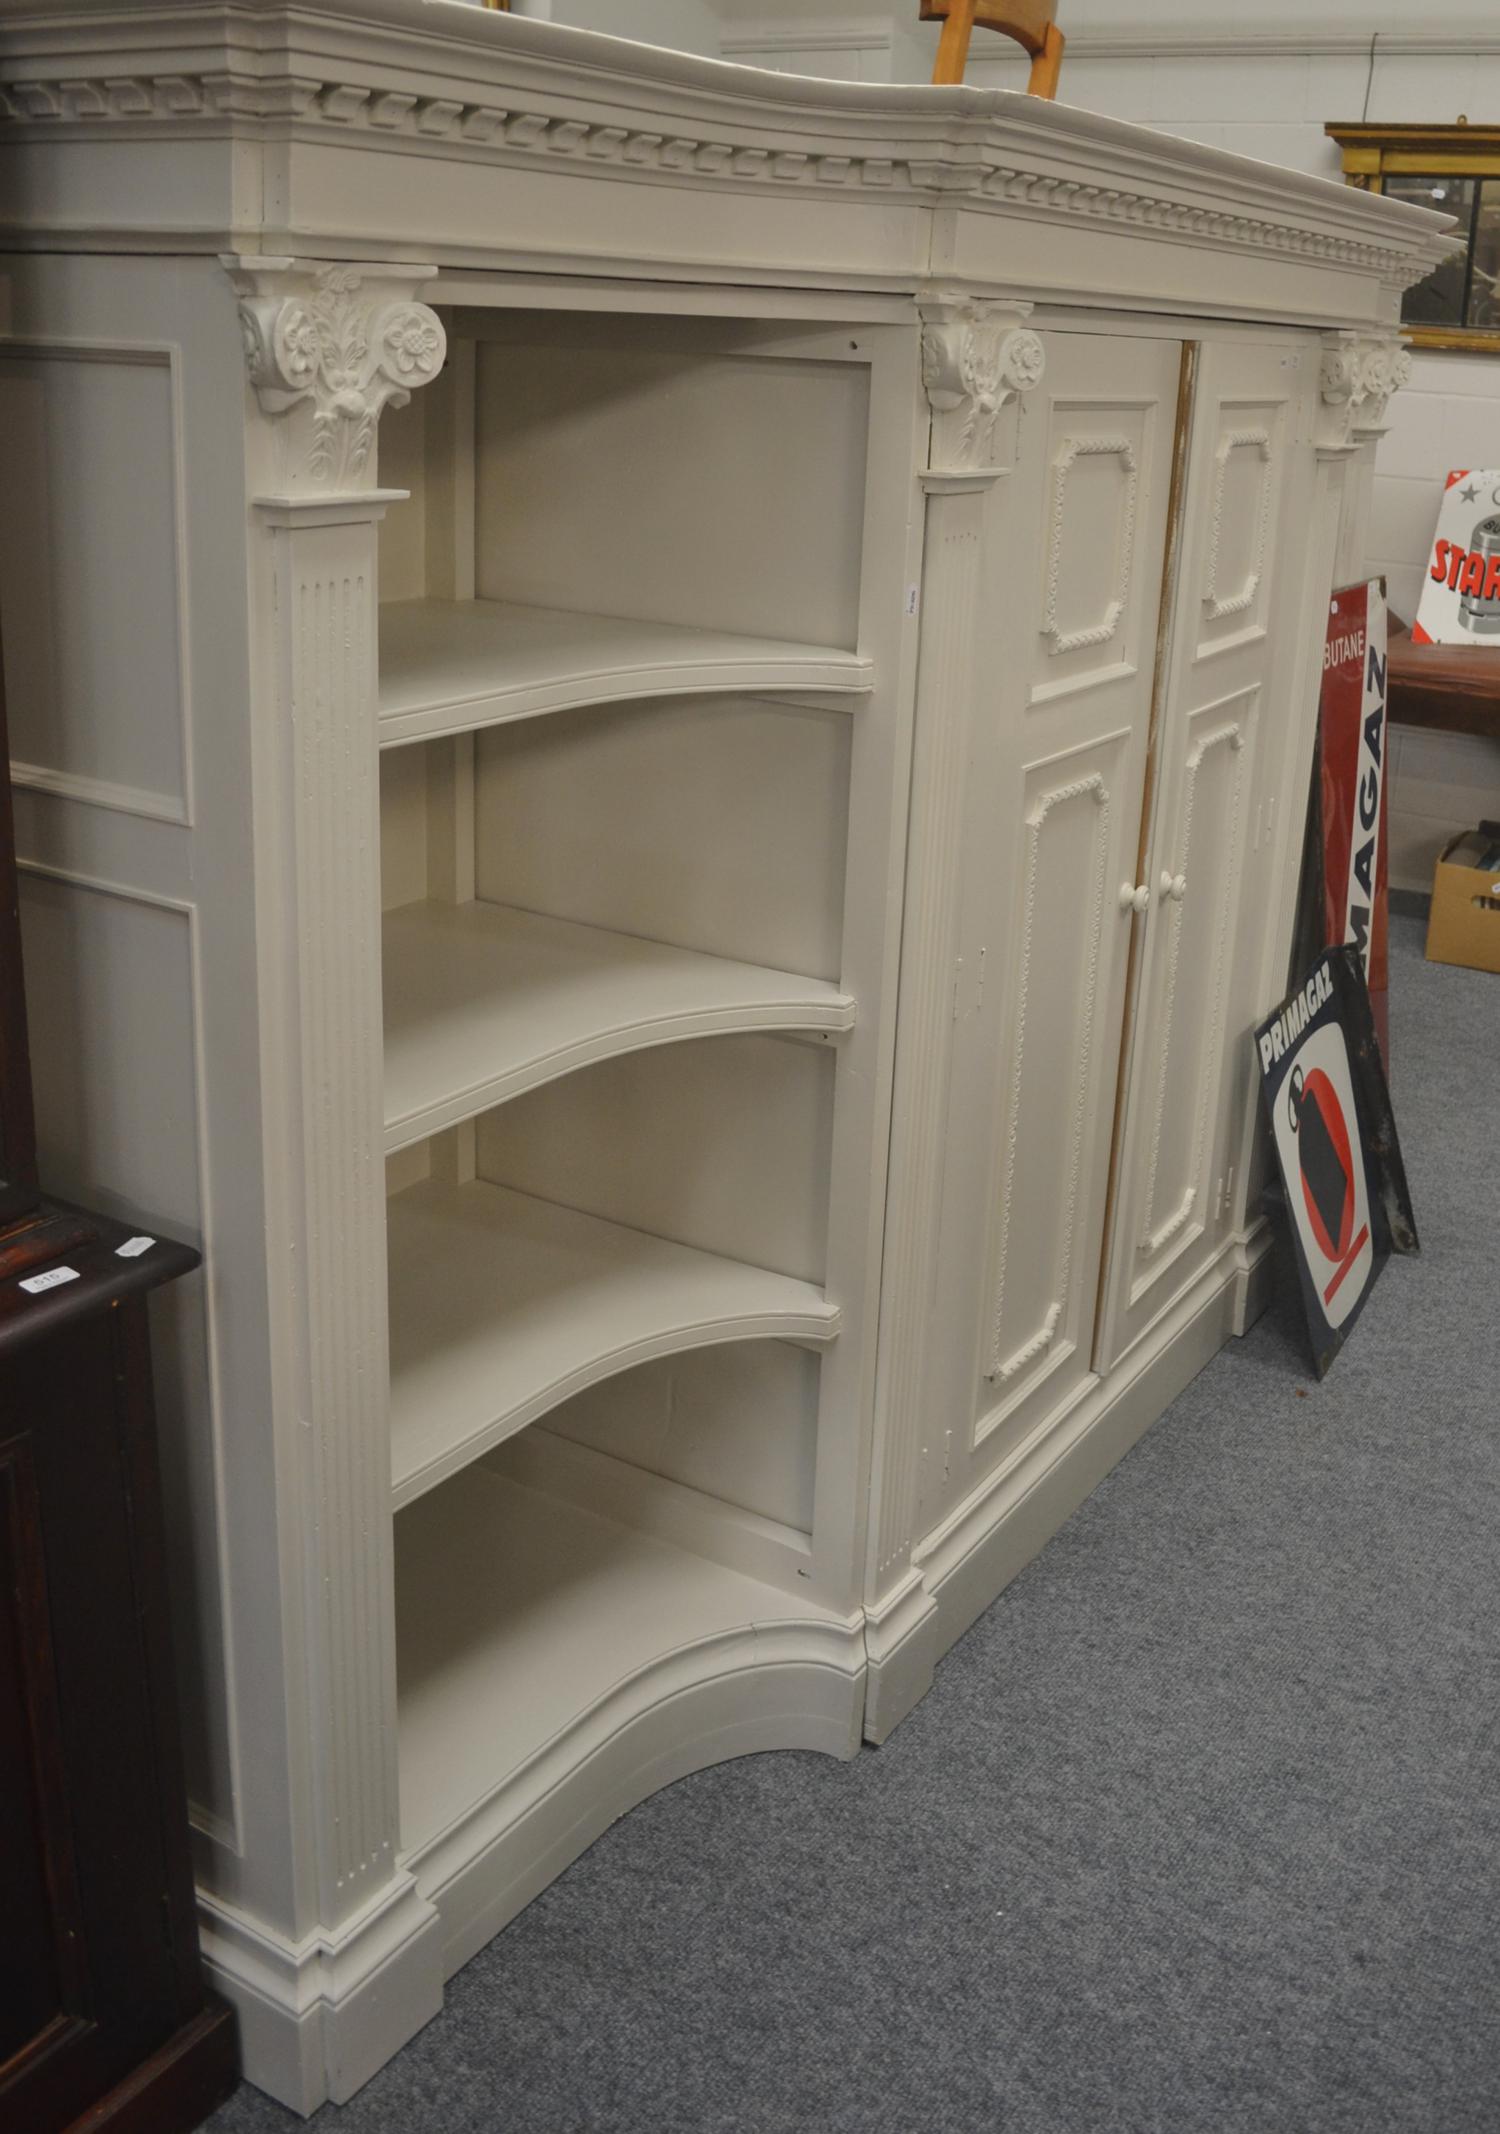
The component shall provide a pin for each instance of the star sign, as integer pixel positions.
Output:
(1470, 493)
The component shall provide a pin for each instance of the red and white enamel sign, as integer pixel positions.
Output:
(1352, 754)
(1309, 1054)
(1460, 603)
(1317, 1141)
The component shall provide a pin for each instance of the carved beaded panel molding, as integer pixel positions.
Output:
(1007, 1361)
(1059, 639)
(345, 345)
(1255, 441)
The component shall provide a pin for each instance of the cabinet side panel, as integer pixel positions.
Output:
(112, 987)
(91, 574)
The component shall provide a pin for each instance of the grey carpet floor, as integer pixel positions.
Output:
(1198, 1829)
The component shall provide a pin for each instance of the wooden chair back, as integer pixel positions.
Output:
(1032, 23)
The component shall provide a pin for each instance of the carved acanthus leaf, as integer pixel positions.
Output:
(346, 342)
(975, 357)
(1360, 375)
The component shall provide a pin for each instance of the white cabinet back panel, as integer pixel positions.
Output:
(723, 1144)
(738, 1423)
(715, 823)
(404, 818)
(95, 661)
(745, 472)
(403, 540)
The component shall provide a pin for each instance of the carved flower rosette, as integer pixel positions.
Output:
(972, 363)
(346, 349)
(1359, 377)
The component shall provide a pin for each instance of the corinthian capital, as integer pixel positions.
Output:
(332, 347)
(1360, 375)
(976, 355)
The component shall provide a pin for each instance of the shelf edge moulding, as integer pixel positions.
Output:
(483, 1002)
(451, 666)
(503, 1306)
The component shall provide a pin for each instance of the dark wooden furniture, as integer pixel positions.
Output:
(104, 2020)
(1455, 688)
(29, 1232)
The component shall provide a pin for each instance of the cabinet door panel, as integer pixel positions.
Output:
(1246, 483)
(1062, 1044)
(1050, 829)
(1187, 1011)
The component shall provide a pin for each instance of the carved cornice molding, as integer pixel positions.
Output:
(975, 357)
(519, 95)
(340, 345)
(1360, 375)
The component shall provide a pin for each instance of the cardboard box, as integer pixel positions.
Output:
(1464, 926)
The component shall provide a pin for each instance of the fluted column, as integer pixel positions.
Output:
(1360, 376)
(328, 349)
(977, 358)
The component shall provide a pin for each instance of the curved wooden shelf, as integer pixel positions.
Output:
(451, 666)
(483, 1002)
(555, 1667)
(503, 1305)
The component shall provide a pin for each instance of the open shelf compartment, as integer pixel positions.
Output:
(483, 1002)
(503, 1305)
(531, 1633)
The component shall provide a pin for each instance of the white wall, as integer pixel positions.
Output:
(686, 25)
(681, 25)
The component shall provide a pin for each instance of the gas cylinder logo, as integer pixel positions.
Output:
(1461, 593)
(1318, 1144)
(1472, 570)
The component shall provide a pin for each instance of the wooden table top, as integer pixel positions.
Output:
(1453, 687)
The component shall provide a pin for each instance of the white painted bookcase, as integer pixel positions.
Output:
(661, 718)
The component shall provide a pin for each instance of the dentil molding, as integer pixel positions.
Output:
(1360, 375)
(975, 357)
(340, 343)
(499, 88)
